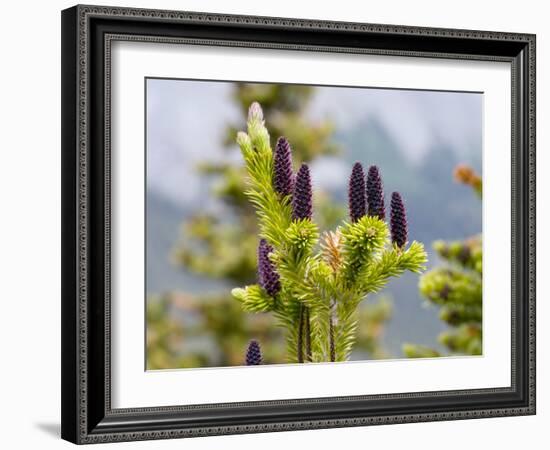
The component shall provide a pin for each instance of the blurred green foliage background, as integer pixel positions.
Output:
(455, 287)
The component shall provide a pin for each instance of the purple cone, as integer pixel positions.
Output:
(356, 193)
(398, 220)
(302, 206)
(268, 278)
(253, 354)
(375, 194)
(283, 177)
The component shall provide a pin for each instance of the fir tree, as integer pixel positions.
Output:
(320, 291)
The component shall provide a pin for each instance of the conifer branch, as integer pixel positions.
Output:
(315, 294)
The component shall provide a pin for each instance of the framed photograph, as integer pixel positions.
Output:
(281, 224)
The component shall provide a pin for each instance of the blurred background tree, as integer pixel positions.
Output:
(456, 288)
(372, 317)
(212, 330)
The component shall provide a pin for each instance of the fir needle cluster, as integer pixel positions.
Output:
(314, 285)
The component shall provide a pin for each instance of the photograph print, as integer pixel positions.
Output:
(300, 224)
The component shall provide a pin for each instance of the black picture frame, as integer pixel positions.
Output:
(87, 415)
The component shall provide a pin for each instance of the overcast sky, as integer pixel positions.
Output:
(186, 122)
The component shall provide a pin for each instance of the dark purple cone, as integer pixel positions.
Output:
(398, 220)
(268, 278)
(356, 193)
(283, 177)
(253, 354)
(302, 206)
(375, 194)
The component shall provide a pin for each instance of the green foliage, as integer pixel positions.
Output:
(322, 285)
(419, 351)
(372, 317)
(456, 288)
(219, 250)
(185, 331)
(165, 338)
(360, 242)
(254, 299)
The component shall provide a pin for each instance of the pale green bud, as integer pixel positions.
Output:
(243, 140)
(255, 113)
(258, 135)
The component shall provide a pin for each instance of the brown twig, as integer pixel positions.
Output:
(308, 336)
(300, 335)
(331, 337)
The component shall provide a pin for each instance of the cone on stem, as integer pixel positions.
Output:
(302, 204)
(356, 193)
(283, 177)
(268, 278)
(375, 194)
(398, 220)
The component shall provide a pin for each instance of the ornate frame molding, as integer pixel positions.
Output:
(84, 421)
